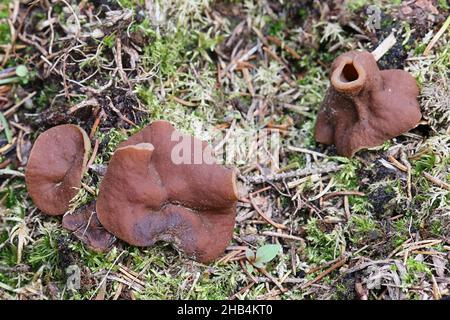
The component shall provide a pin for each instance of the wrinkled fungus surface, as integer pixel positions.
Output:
(162, 186)
(364, 106)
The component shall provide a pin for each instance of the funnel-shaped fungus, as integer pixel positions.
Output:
(365, 106)
(55, 167)
(85, 226)
(161, 185)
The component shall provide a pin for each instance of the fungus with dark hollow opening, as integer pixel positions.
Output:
(55, 167)
(146, 195)
(364, 106)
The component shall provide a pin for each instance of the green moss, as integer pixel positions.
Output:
(400, 231)
(109, 40)
(363, 228)
(347, 178)
(276, 26)
(354, 5)
(166, 53)
(414, 270)
(443, 4)
(130, 4)
(5, 32)
(322, 246)
(425, 163)
(44, 251)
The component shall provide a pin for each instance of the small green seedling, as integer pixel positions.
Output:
(20, 74)
(262, 256)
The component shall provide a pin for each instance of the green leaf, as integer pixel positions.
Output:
(249, 254)
(267, 252)
(249, 267)
(21, 71)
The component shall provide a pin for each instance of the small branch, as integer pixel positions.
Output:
(398, 164)
(256, 179)
(436, 181)
(86, 103)
(384, 47)
(335, 266)
(405, 161)
(343, 193)
(10, 172)
(283, 46)
(437, 36)
(311, 152)
(14, 108)
(429, 177)
(264, 216)
(282, 235)
(94, 154)
(183, 102)
(275, 281)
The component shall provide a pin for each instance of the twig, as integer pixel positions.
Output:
(10, 172)
(405, 161)
(293, 174)
(282, 45)
(289, 280)
(397, 164)
(120, 114)
(248, 80)
(437, 36)
(94, 154)
(275, 281)
(343, 193)
(107, 274)
(384, 47)
(74, 15)
(264, 216)
(436, 181)
(96, 124)
(13, 109)
(428, 176)
(418, 245)
(274, 56)
(183, 102)
(335, 266)
(323, 266)
(303, 150)
(86, 103)
(347, 208)
(23, 38)
(246, 271)
(282, 235)
(244, 289)
(88, 189)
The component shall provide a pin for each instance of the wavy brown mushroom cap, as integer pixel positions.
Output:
(364, 107)
(55, 167)
(85, 226)
(145, 197)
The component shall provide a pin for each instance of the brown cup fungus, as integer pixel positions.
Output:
(55, 167)
(364, 106)
(85, 226)
(161, 185)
